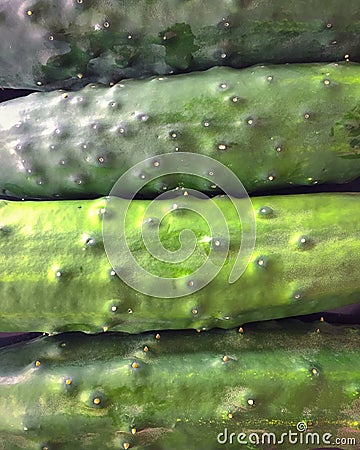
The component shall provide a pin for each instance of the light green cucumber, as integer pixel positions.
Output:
(184, 390)
(69, 43)
(274, 126)
(56, 275)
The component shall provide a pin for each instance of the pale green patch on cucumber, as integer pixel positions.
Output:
(56, 275)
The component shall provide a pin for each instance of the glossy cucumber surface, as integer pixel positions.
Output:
(184, 390)
(56, 275)
(274, 127)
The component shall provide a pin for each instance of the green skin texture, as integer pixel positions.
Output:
(77, 144)
(39, 239)
(68, 43)
(180, 392)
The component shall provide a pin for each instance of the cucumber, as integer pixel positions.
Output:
(76, 145)
(56, 275)
(69, 43)
(183, 390)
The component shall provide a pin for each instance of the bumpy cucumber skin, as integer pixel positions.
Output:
(180, 389)
(71, 145)
(56, 275)
(69, 43)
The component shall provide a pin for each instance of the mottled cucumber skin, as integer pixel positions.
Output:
(68, 43)
(77, 144)
(179, 390)
(56, 275)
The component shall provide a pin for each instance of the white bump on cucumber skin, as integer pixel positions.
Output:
(174, 207)
(314, 372)
(305, 242)
(235, 99)
(265, 212)
(307, 116)
(143, 117)
(271, 177)
(151, 221)
(90, 242)
(224, 23)
(59, 274)
(250, 402)
(216, 243)
(223, 86)
(174, 135)
(261, 261)
(206, 123)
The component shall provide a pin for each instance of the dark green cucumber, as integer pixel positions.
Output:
(56, 275)
(69, 43)
(272, 126)
(183, 390)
